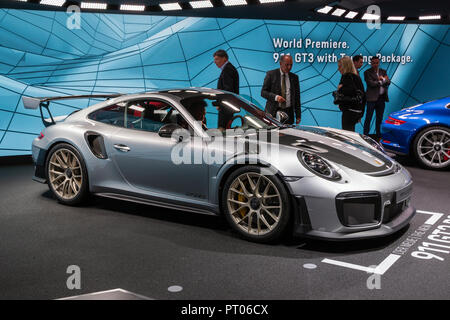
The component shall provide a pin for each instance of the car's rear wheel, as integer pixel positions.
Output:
(67, 175)
(256, 204)
(432, 148)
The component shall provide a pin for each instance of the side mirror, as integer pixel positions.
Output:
(282, 116)
(168, 130)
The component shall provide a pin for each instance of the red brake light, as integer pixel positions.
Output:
(41, 135)
(395, 122)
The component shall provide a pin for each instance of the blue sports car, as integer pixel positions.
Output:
(422, 130)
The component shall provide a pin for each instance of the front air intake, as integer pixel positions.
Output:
(359, 209)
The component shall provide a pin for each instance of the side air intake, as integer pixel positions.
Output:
(96, 144)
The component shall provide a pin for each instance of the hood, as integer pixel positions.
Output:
(337, 148)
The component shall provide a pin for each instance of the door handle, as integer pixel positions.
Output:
(122, 147)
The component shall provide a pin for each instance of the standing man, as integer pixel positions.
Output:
(377, 94)
(358, 62)
(229, 81)
(281, 89)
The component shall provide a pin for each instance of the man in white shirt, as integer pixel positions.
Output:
(281, 88)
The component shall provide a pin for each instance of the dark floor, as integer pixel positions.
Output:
(146, 250)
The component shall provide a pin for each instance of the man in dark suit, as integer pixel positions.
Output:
(377, 94)
(281, 89)
(358, 61)
(229, 81)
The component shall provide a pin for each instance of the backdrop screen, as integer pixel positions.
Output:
(45, 53)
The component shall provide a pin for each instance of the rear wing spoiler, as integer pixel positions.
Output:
(44, 102)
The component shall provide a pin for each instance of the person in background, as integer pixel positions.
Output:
(377, 94)
(229, 81)
(197, 108)
(198, 111)
(350, 83)
(281, 89)
(358, 61)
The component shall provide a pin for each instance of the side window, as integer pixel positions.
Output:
(149, 115)
(113, 114)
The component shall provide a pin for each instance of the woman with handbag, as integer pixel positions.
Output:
(350, 95)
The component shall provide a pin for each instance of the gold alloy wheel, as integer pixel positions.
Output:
(65, 174)
(434, 148)
(254, 203)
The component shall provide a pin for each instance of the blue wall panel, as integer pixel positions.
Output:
(40, 56)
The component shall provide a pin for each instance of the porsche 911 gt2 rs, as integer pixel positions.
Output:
(320, 182)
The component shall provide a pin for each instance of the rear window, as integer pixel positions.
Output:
(113, 114)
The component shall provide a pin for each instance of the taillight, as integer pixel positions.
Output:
(395, 122)
(41, 135)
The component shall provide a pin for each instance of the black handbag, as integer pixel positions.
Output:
(357, 99)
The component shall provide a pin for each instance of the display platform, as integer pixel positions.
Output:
(166, 254)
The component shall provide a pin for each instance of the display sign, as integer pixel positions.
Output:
(44, 53)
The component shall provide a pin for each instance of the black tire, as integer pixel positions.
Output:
(425, 161)
(280, 199)
(82, 193)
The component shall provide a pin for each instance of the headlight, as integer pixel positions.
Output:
(373, 143)
(318, 165)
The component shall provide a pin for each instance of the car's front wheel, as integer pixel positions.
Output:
(256, 204)
(432, 148)
(67, 174)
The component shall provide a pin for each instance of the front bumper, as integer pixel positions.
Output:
(383, 230)
(365, 207)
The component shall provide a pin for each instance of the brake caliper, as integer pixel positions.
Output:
(447, 157)
(241, 198)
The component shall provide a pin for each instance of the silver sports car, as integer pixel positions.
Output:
(164, 148)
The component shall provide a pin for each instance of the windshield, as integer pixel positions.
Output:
(227, 111)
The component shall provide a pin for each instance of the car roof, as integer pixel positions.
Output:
(174, 94)
(183, 93)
